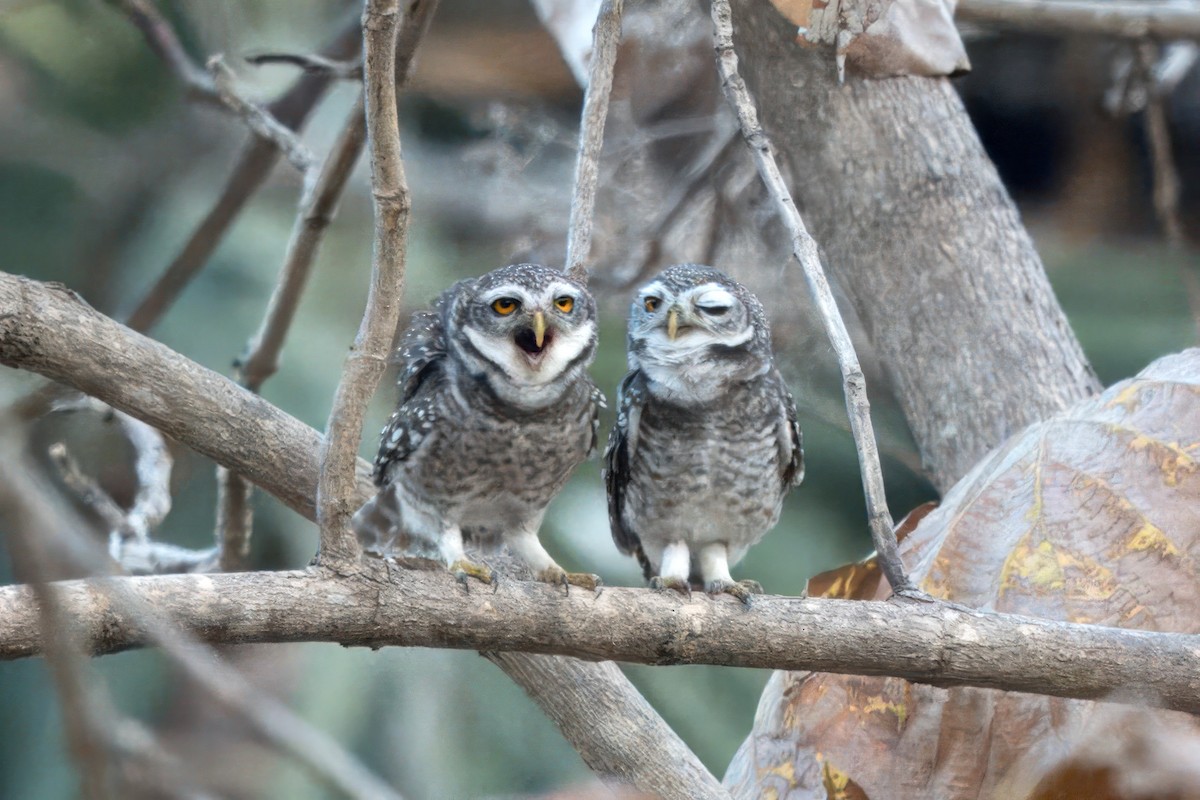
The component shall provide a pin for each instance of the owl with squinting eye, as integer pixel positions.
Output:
(496, 410)
(706, 443)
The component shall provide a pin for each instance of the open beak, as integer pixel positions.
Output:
(539, 328)
(672, 323)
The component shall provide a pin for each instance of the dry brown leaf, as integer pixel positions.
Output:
(1093, 516)
(860, 580)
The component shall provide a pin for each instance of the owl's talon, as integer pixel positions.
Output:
(742, 590)
(661, 584)
(464, 569)
(558, 576)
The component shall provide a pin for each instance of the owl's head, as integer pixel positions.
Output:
(526, 329)
(694, 331)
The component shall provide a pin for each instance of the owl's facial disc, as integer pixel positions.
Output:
(535, 339)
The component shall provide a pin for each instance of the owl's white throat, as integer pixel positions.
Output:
(529, 374)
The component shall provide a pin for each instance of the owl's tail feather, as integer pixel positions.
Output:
(379, 525)
(647, 567)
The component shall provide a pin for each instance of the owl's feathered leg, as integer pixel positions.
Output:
(453, 555)
(714, 567)
(673, 569)
(526, 546)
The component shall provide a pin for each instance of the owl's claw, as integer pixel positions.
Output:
(557, 576)
(463, 569)
(742, 590)
(660, 584)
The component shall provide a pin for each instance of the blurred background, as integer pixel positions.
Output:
(106, 168)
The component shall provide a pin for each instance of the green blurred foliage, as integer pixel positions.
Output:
(436, 723)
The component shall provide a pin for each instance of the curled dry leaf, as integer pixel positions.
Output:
(880, 38)
(1092, 516)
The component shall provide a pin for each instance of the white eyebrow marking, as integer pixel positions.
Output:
(711, 296)
(506, 291)
(655, 288)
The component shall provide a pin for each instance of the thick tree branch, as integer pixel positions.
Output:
(606, 38)
(940, 645)
(1160, 19)
(804, 248)
(336, 495)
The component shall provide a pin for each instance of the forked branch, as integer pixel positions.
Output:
(804, 248)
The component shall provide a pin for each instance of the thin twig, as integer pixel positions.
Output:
(86, 488)
(252, 169)
(86, 711)
(234, 512)
(804, 247)
(152, 466)
(312, 64)
(262, 352)
(606, 37)
(337, 484)
(1166, 175)
(269, 718)
(163, 40)
(1130, 19)
(262, 122)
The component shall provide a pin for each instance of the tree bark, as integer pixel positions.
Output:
(375, 607)
(921, 234)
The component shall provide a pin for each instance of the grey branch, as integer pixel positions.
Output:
(234, 512)
(262, 122)
(163, 40)
(1136, 19)
(606, 37)
(268, 717)
(259, 156)
(87, 714)
(804, 248)
(928, 643)
(336, 488)
(313, 64)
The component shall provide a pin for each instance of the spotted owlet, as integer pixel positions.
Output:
(706, 443)
(496, 410)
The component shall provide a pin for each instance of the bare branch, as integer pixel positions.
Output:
(163, 40)
(804, 248)
(86, 488)
(261, 121)
(618, 726)
(146, 615)
(1129, 19)
(606, 37)
(312, 64)
(152, 466)
(235, 520)
(936, 644)
(262, 357)
(257, 159)
(86, 710)
(235, 515)
(364, 366)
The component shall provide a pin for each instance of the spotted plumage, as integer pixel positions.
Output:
(706, 443)
(496, 410)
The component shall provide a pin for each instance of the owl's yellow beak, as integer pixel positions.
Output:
(539, 327)
(672, 323)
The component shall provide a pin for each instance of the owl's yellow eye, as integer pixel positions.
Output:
(652, 303)
(504, 306)
(565, 304)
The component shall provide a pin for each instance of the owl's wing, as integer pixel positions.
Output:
(622, 444)
(422, 357)
(791, 441)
